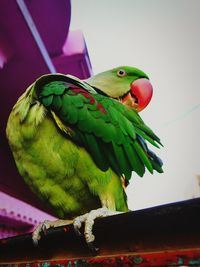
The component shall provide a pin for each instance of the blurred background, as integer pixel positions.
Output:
(84, 37)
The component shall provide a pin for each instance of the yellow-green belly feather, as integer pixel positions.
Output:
(57, 170)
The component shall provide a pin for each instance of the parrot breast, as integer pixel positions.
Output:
(62, 174)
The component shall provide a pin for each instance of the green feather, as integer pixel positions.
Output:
(122, 160)
(143, 156)
(113, 115)
(78, 101)
(147, 137)
(56, 88)
(93, 147)
(72, 114)
(156, 166)
(134, 160)
(66, 102)
(57, 103)
(47, 101)
(148, 131)
(110, 156)
(92, 107)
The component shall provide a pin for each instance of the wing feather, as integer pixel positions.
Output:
(110, 131)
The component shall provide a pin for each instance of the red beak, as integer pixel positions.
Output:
(142, 90)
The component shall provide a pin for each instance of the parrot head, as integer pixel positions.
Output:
(129, 85)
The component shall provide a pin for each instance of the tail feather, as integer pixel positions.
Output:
(156, 162)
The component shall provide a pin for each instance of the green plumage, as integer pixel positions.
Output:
(72, 143)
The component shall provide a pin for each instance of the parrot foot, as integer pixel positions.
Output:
(43, 227)
(88, 219)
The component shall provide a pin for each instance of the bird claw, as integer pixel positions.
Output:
(44, 229)
(88, 219)
(40, 230)
(77, 231)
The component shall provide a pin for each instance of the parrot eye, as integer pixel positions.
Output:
(121, 73)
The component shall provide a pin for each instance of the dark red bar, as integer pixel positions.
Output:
(166, 235)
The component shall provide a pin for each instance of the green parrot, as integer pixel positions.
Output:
(76, 143)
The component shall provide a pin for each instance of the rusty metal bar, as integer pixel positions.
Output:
(166, 235)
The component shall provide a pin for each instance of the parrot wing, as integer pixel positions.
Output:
(112, 133)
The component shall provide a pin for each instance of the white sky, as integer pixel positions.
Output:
(161, 37)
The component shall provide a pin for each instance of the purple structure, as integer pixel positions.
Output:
(34, 40)
(18, 217)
